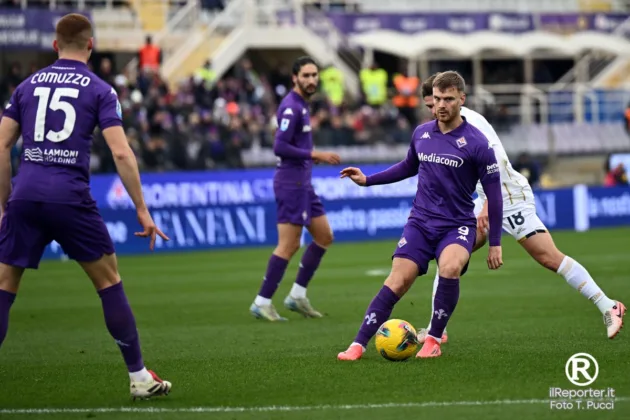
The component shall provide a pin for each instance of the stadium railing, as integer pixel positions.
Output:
(182, 22)
(245, 24)
(200, 44)
(529, 118)
(539, 120)
(595, 66)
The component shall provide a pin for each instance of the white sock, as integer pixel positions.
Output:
(261, 301)
(577, 276)
(298, 292)
(140, 376)
(357, 344)
(435, 286)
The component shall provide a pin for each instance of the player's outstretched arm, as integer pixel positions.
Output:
(9, 133)
(127, 167)
(402, 170)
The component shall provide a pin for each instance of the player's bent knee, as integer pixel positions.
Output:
(399, 283)
(10, 277)
(551, 259)
(325, 240)
(451, 270)
(287, 249)
(288, 240)
(403, 275)
(542, 248)
(103, 272)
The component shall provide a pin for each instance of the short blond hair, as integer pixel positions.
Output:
(449, 79)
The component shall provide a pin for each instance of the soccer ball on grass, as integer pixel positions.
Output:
(396, 340)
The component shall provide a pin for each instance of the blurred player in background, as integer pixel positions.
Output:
(520, 221)
(449, 156)
(55, 111)
(297, 204)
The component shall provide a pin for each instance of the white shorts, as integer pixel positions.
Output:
(521, 222)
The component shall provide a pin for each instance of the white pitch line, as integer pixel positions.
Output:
(284, 408)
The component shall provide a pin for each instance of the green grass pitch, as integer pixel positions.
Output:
(510, 338)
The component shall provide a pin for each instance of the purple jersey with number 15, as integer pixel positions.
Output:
(58, 109)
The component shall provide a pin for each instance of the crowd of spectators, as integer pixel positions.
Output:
(205, 124)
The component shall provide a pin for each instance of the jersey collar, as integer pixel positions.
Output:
(64, 62)
(455, 132)
(297, 97)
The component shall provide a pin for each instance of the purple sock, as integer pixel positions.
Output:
(310, 261)
(275, 271)
(6, 300)
(378, 312)
(444, 303)
(122, 325)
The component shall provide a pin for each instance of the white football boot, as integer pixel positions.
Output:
(151, 388)
(267, 312)
(301, 306)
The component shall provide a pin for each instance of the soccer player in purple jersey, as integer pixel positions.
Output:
(523, 224)
(297, 204)
(55, 111)
(449, 156)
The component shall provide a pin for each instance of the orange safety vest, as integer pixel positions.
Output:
(150, 57)
(407, 91)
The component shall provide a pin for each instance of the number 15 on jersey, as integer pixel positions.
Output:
(57, 103)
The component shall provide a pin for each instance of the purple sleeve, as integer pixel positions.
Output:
(495, 212)
(288, 120)
(402, 170)
(12, 109)
(109, 110)
(488, 171)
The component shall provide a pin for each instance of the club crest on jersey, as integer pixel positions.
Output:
(118, 109)
(461, 142)
(402, 242)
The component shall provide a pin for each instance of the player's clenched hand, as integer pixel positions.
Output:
(150, 230)
(495, 257)
(327, 157)
(355, 175)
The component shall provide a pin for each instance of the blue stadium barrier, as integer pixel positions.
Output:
(234, 209)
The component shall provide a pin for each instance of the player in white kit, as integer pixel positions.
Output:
(523, 224)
